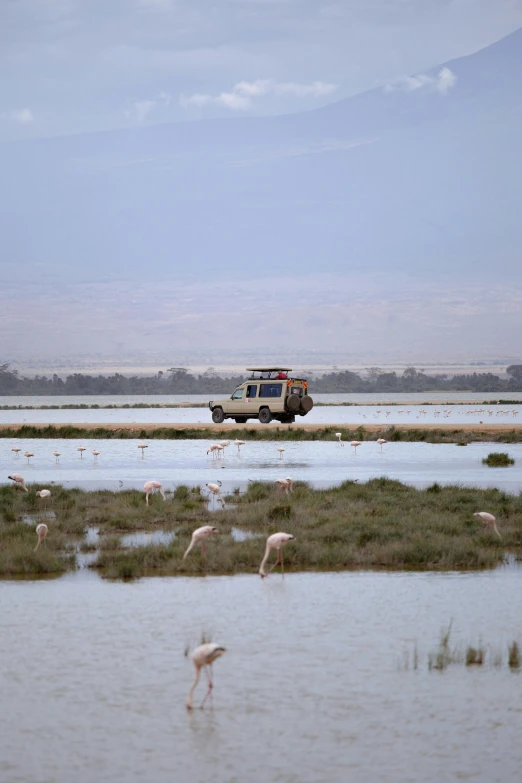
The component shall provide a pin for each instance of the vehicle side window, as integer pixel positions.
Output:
(270, 390)
(238, 394)
(251, 391)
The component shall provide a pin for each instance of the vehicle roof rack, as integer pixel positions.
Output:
(269, 369)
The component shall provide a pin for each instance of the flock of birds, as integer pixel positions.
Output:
(205, 654)
(445, 412)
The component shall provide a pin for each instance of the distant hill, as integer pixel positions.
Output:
(424, 178)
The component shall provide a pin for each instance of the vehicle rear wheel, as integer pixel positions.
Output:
(265, 417)
(306, 405)
(240, 419)
(292, 403)
(218, 417)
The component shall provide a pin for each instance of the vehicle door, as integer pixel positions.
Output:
(251, 403)
(237, 401)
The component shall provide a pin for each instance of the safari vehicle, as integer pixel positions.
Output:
(269, 393)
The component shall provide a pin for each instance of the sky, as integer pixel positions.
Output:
(75, 66)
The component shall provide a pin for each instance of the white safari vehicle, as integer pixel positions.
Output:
(269, 393)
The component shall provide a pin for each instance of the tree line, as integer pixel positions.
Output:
(178, 380)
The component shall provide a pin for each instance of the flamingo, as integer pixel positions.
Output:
(488, 519)
(287, 484)
(149, 487)
(201, 534)
(239, 443)
(275, 541)
(19, 481)
(215, 449)
(41, 532)
(81, 449)
(57, 455)
(16, 451)
(203, 657)
(339, 435)
(28, 454)
(381, 442)
(44, 493)
(355, 443)
(215, 491)
(95, 453)
(142, 446)
(281, 451)
(224, 443)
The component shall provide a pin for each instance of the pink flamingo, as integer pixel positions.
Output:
(203, 657)
(488, 519)
(201, 534)
(41, 532)
(19, 481)
(355, 443)
(151, 486)
(215, 449)
(287, 484)
(215, 491)
(275, 541)
(381, 442)
(81, 449)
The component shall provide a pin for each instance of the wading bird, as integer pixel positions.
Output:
(281, 451)
(224, 443)
(152, 486)
(488, 519)
(95, 453)
(287, 484)
(355, 443)
(57, 455)
(381, 442)
(45, 494)
(239, 443)
(275, 541)
(203, 657)
(339, 435)
(215, 491)
(16, 451)
(200, 535)
(28, 454)
(81, 449)
(215, 449)
(142, 446)
(19, 481)
(41, 532)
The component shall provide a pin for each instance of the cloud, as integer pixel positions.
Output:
(139, 111)
(441, 83)
(243, 94)
(20, 116)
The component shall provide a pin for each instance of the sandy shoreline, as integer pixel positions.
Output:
(224, 428)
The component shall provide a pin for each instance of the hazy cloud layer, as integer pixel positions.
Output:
(84, 65)
(442, 82)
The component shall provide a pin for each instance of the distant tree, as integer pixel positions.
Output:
(177, 369)
(515, 371)
(374, 372)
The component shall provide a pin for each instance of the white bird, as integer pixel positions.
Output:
(81, 449)
(224, 443)
(57, 455)
(203, 657)
(215, 491)
(287, 484)
(355, 443)
(41, 532)
(281, 451)
(488, 519)
(339, 435)
(151, 486)
(28, 454)
(200, 535)
(142, 446)
(275, 541)
(215, 449)
(95, 453)
(239, 443)
(44, 493)
(381, 442)
(19, 481)
(16, 451)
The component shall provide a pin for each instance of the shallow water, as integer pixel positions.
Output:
(324, 463)
(403, 413)
(311, 689)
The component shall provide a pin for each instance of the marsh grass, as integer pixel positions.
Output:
(272, 433)
(475, 656)
(378, 524)
(514, 658)
(498, 459)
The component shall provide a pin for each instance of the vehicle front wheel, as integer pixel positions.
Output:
(218, 417)
(265, 417)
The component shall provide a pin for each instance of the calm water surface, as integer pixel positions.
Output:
(313, 687)
(323, 464)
